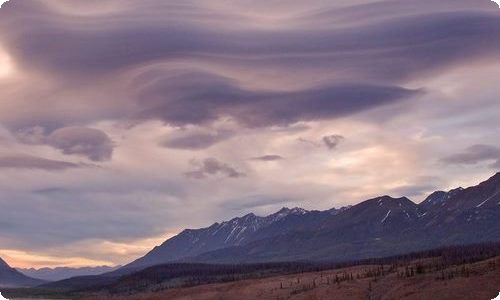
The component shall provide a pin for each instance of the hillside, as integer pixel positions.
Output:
(10, 277)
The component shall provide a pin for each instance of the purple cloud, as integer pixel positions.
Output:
(476, 154)
(270, 157)
(211, 167)
(91, 143)
(20, 161)
(332, 141)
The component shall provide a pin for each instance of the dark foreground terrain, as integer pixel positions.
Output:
(419, 279)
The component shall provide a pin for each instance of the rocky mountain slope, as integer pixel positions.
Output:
(192, 242)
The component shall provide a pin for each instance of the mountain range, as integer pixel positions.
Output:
(377, 227)
(59, 273)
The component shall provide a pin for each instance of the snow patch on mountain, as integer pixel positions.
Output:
(489, 198)
(386, 216)
(234, 231)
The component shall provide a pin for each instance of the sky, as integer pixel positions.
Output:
(123, 122)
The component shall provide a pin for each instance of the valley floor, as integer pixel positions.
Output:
(423, 279)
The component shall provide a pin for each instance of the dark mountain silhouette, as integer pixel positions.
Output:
(10, 277)
(378, 227)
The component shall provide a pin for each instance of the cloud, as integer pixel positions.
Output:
(253, 202)
(419, 43)
(475, 154)
(32, 135)
(308, 142)
(103, 48)
(347, 65)
(211, 167)
(271, 157)
(51, 220)
(496, 165)
(195, 139)
(332, 141)
(91, 143)
(190, 97)
(32, 162)
(417, 190)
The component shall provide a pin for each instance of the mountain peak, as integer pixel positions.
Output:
(387, 198)
(493, 180)
(439, 197)
(248, 217)
(298, 210)
(3, 264)
(285, 211)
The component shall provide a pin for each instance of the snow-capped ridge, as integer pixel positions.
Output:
(440, 197)
(285, 211)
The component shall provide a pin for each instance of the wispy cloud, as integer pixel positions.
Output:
(269, 157)
(19, 161)
(332, 141)
(476, 154)
(212, 167)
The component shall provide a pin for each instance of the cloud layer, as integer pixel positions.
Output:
(212, 167)
(476, 154)
(33, 162)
